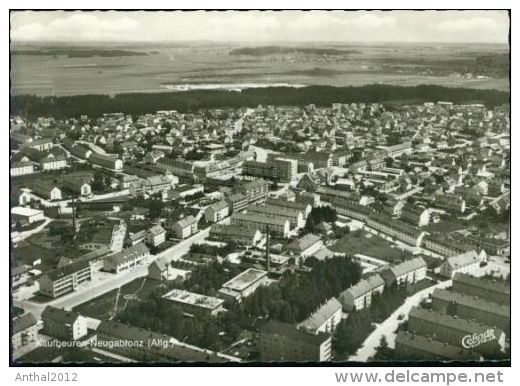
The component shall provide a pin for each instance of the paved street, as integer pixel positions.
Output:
(389, 326)
(104, 282)
(19, 236)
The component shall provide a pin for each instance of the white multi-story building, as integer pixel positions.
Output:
(216, 211)
(52, 162)
(463, 263)
(22, 168)
(410, 271)
(359, 296)
(126, 259)
(155, 236)
(324, 319)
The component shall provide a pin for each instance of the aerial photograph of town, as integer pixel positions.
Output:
(234, 188)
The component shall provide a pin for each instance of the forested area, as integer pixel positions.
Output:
(352, 332)
(31, 106)
(282, 301)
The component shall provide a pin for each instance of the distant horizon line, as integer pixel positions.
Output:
(263, 43)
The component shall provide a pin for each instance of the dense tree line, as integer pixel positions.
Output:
(319, 215)
(214, 250)
(352, 332)
(207, 279)
(31, 106)
(158, 314)
(296, 296)
(292, 299)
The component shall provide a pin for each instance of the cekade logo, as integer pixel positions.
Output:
(474, 340)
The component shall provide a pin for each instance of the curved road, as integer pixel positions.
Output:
(389, 326)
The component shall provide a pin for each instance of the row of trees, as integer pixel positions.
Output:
(31, 106)
(319, 215)
(292, 299)
(214, 250)
(352, 332)
(296, 296)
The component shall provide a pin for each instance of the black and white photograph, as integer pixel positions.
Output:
(259, 188)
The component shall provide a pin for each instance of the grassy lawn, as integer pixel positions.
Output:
(447, 226)
(31, 226)
(104, 306)
(373, 246)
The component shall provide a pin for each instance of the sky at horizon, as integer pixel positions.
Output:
(262, 26)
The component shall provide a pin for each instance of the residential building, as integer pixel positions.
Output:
(155, 236)
(185, 227)
(463, 263)
(67, 325)
(41, 144)
(294, 216)
(305, 246)
(137, 237)
(409, 272)
(240, 235)
(77, 186)
(397, 150)
(453, 329)
(106, 161)
(359, 296)
(126, 259)
(399, 230)
(25, 330)
(217, 211)
(279, 227)
(473, 308)
(161, 269)
(183, 191)
(410, 346)
(281, 342)
(416, 216)
(325, 319)
(301, 206)
(494, 290)
(129, 181)
(156, 184)
(277, 169)
(450, 203)
(256, 190)
(153, 156)
(21, 168)
(236, 202)
(443, 246)
(52, 162)
(66, 279)
(46, 189)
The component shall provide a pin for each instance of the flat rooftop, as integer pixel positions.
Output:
(22, 211)
(245, 279)
(194, 299)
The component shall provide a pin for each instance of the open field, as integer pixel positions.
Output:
(373, 246)
(164, 67)
(108, 305)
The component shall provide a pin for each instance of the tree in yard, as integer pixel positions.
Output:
(383, 352)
